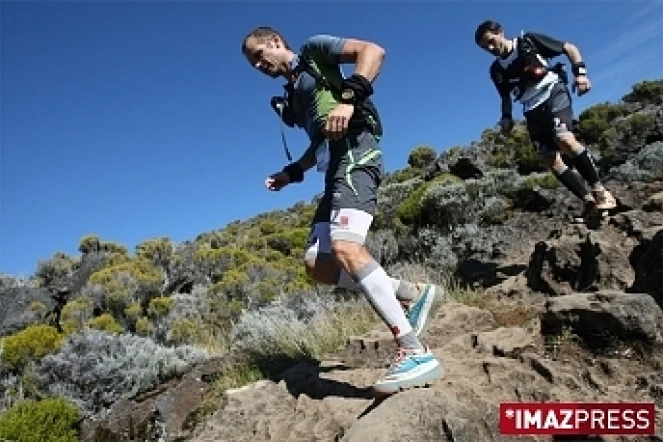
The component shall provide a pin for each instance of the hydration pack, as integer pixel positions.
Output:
(365, 116)
(529, 68)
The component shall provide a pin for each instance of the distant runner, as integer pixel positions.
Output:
(344, 130)
(521, 70)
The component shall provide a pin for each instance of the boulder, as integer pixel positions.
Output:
(575, 259)
(605, 318)
(649, 269)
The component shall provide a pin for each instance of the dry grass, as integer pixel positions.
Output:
(292, 329)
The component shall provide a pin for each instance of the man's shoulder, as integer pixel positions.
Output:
(541, 40)
(528, 36)
(321, 41)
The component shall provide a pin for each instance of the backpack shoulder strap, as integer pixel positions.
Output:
(525, 43)
(308, 64)
(367, 110)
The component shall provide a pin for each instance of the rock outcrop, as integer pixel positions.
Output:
(571, 316)
(579, 319)
(486, 363)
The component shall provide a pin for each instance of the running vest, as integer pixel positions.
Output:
(525, 72)
(365, 116)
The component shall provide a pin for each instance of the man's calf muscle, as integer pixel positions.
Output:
(351, 256)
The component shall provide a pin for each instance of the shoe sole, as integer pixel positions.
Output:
(424, 381)
(431, 305)
(607, 206)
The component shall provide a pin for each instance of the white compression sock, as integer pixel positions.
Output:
(405, 290)
(377, 286)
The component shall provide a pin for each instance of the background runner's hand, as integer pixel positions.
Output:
(337, 121)
(506, 126)
(582, 84)
(277, 181)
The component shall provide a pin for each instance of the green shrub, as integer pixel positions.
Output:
(75, 314)
(450, 205)
(128, 281)
(107, 323)
(158, 251)
(646, 92)
(409, 211)
(215, 262)
(55, 269)
(640, 123)
(47, 420)
(89, 243)
(288, 241)
(184, 331)
(268, 227)
(160, 306)
(232, 283)
(543, 180)
(143, 326)
(595, 120)
(400, 176)
(30, 345)
(114, 247)
(517, 152)
(421, 156)
(133, 312)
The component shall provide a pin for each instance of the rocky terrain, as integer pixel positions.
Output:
(222, 338)
(577, 324)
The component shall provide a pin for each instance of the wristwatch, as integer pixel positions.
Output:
(348, 96)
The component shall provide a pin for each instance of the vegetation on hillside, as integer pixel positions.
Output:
(150, 314)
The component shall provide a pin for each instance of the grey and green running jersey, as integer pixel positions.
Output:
(311, 104)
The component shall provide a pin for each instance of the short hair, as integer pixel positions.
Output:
(486, 26)
(262, 33)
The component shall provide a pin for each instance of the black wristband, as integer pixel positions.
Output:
(579, 68)
(360, 85)
(295, 172)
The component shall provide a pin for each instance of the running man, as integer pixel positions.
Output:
(521, 70)
(343, 128)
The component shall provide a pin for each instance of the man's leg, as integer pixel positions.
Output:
(421, 301)
(541, 129)
(322, 267)
(562, 118)
(354, 200)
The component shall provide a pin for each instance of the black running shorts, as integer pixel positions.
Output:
(550, 119)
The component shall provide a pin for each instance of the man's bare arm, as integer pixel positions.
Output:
(367, 57)
(572, 52)
(307, 160)
(506, 107)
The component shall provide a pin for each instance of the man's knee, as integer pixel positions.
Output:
(566, 141)
(553, 161)
(344, 251)
(564, 135)
(348, 231)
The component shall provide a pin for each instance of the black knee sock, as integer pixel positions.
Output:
(585, 166)
(572, 181)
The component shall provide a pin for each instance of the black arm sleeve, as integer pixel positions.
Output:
(547, 46)
(503, 89)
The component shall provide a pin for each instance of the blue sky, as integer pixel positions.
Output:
(133, 120)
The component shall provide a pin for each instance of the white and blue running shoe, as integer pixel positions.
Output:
(421, 311)
(411, 368)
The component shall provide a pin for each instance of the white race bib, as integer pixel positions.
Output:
(322, 156)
